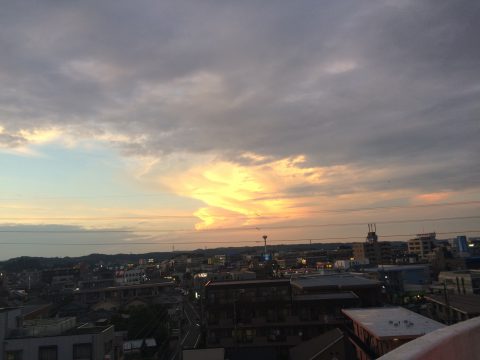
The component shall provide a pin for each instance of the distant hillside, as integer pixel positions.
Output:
(31, 263)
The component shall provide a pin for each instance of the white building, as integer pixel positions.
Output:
(383, 329)
(133, 276)
(55, 338)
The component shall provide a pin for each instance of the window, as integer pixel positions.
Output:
(82, 351)
(47, 352)
(14, 355)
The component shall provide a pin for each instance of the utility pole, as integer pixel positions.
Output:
(265, 249)
(447, 303)
(235, 320)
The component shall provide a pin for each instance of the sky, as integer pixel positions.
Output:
(134, 126)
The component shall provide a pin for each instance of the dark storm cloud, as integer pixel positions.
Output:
(368, 84)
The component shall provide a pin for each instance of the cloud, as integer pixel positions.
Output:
(339, 67)
(433, 197)
(269, 191)
(232, 189)
(371, 87)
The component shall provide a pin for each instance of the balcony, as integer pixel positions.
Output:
(459, 342)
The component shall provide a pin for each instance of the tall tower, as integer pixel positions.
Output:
(372, 234)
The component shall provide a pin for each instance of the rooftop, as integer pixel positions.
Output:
(6, 309)
(204, 354)
(333, 281)
(327, 296)
(398, 267)
(54, 327)
(459, 342)
(248, 282)
(314, 347)
(392, 322)
(32, 309)
(88, 329)
(126, 287)
(44, 327)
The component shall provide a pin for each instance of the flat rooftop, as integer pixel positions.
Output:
(333, 281)
(318, 345)
(392, 322)
(30, 309)
(82, 330)
(398, 268)
(328, 296)
(126, 287)
(248, 282)
(204, 354)
(5, 309)
(468, 304)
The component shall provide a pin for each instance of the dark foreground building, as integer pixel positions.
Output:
(265, 318)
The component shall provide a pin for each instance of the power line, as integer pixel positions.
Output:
(473, 202)
(199, 242)
(146, 217)
(112, 196)
(102, 218)
(226, 229)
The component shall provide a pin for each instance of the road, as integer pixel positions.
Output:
(192, 336)
(191, 332)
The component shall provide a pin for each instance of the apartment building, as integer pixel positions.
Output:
(119, 295)
(281, 313)
(374, 251)
(422, 245)
(402, 280)
(132, 276)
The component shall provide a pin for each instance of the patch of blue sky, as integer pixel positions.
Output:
(94, 174)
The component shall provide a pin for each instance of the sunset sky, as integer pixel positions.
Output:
(130, 126)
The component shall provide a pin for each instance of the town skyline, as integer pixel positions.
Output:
(179, 124)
